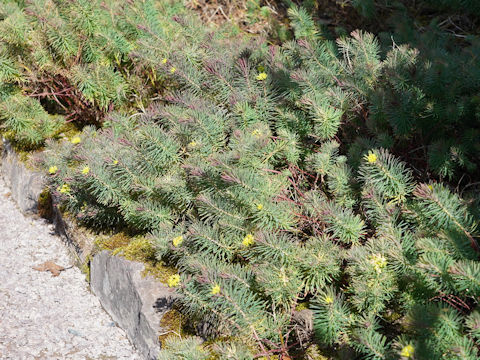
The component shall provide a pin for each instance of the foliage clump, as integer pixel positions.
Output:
(64, 61)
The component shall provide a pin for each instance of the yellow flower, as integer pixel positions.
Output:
(328, 299)
(248, 240)
(177, 241)
(256, 133)
(372, 158)
(259, 207)
(173, 69)
(262, 76)
(164, 60)
(115, 162)
(52, 169)
(430, 187)
(85, 170)
(192, 143)
(76, 140)
(64, 189)
(407, 351)
(173, 280)
(378, 262)
(215, 289)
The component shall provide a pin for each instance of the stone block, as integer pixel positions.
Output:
(137, 303)
(25, 184)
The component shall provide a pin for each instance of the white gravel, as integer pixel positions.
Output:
(46, 317)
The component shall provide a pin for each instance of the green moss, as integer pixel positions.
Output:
(7, 134)
(139, 249)
(392, 316)
(173, 324)
(23, 155)
(313, 353)
(113, 242)
(26, 152)
(85, 267)
(68, 130)
(159, 271)
(302, 306)
(45, 205)
(23, 151)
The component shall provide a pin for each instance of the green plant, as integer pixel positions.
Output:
(26, 122)
(368, 8)
(60, 61)
(237, 172)
(417, 98)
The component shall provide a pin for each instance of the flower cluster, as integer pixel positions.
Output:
(248, 240)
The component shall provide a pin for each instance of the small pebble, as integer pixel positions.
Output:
(74, 332)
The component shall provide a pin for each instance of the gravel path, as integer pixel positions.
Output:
(46, 317)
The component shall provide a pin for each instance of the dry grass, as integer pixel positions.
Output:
(246, 14)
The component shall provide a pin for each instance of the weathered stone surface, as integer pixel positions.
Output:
(79, 240)
(25, 184)
(135, 302)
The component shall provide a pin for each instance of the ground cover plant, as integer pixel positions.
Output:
(430, 101)
(65, 62)
(279, 182)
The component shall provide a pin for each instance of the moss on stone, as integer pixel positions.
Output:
(139, 248)
(112, 242)
(45, 205)
(173, 323)
(24, 153)
(159, 271)
(23, 156)
(85, 267)
(68, 130)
